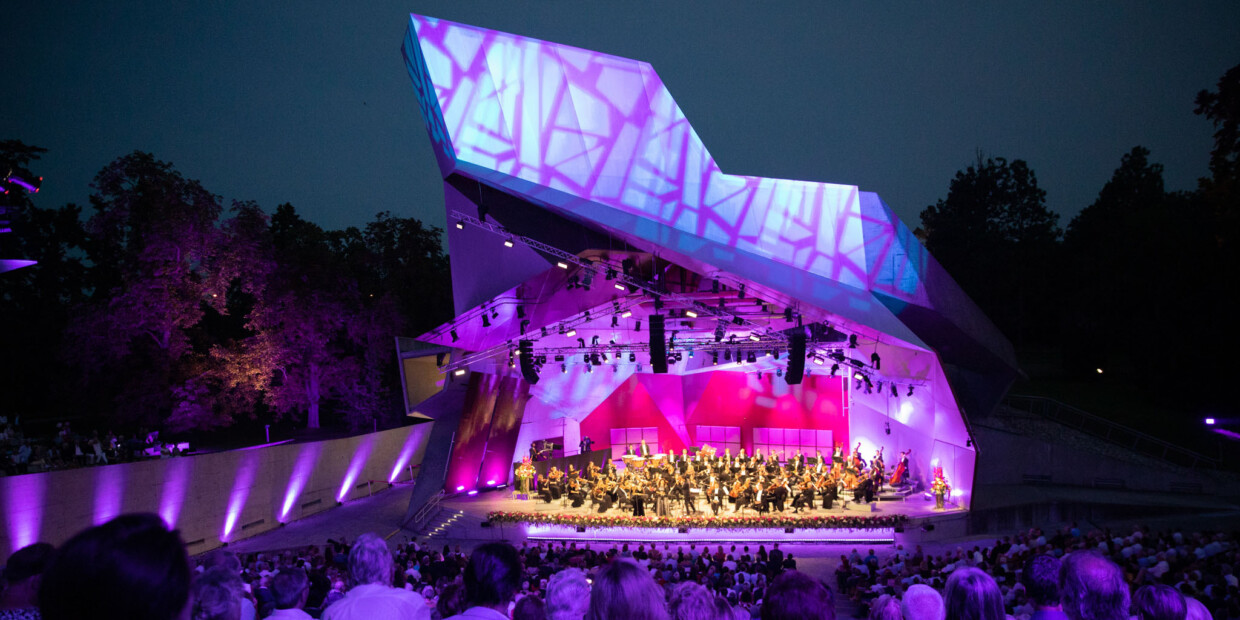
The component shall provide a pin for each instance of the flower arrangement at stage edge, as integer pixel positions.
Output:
(701, 521)
(525, 469)
(940, 488)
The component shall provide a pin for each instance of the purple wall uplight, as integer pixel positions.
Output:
(109, 489)
(307, 458)
(242, 482)
(355, 466)
(24, 509)
(176, 479)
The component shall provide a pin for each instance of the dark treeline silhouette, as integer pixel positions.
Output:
(160, 308)
(1136, 284)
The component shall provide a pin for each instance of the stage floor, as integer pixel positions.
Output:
(914, 506)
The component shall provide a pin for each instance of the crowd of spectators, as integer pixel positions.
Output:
(23, 452)
(134, 567)
(1026, 568)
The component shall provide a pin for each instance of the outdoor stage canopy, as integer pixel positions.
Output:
(584, 211)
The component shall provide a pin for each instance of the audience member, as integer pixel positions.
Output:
(568, 595)
(216, 595)
(1092, 587)
(22, 574)
(451, 601)
(529, 608)
(128, 568)
(692, 601)
(290, 587)
(492, 579)
(1197, 610)
(623, 589)
(921, 602)
(1158, 602)
(971, 594)
(795, 596)
(372, 597)
(1040, 576)
(887, 607)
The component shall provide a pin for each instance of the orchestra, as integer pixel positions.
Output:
(761, 482)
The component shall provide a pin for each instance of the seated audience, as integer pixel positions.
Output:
(623, 589)
(130, 567)
(372, 597)
(921, 602)
(1092, 587)
(1158, 602)
(216, 595)
(1040, 577)
(971, 594)
(795, 596)
(22, 574)
(568, 595)
(492, 579)
(290, 587)
(529, 608)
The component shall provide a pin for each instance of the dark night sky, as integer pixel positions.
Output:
(309, 102)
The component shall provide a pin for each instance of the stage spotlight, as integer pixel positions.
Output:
(639, 368)
(508, 242)
(620, 287)
(910, 391)
(788, 314)
(615, 369)
(893, 391)
(594, 360)
(714, 358)
(738, 355)
(615, 321)
(587, 279)
(887, 427)
(563, 368)
(719, 333)
(486, 321)
(495, 313)
(460, 225)
(727, 355)
(968, 443)
(626, 314)
(691, 314)
(779, 372)
(604, 357)
(852, 341)
(755, 337)
(544, 331)
(876, 361)
(586, 358)
(751, 358)
(858, 376)
(589, 368)
(637, 327)
(561, 264)
(525, 324)
(819, 361)
(581, 342)
(594, 341)
(880, 387)
(1209, 421)
(458, 372)
(632, 357)
(454, 336)
(611, 274)
(740, 292)
(572, 332)
(736, 320)
(835, 369)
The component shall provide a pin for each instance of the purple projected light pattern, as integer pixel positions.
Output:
(607, 130)
(109, 487)
(244, 480)
(24, 509)
(176, 480)
(307, 458)
(355, 466)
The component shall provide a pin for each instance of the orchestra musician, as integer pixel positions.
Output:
(585, 444)
(685, 485)
(715, 493)
(901, 473)
(645, 451)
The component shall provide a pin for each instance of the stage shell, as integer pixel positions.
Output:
(578, 194)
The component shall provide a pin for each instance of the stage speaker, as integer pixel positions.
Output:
(658, 348)
(526, 347)
(796, 358)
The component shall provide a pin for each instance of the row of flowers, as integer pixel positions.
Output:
(757, 521)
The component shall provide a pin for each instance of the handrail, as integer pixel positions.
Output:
(425, 512)
(1102, 428)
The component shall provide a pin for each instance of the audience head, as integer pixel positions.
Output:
(795, 596)
(885, 607)
(216, 595)
(493, 575)
(129, 567)
(625, 590)
(1041, 579)
(692, 601)
(1197, 610)
(1159, 602)
(971, 594)
(568, 595)
(451, 601)
(529, 608)
(370, 561)
(1091, 587)
(290, 587)
(921, 602)
(23, 573)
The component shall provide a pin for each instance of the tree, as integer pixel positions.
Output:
(151, 240)
(995, 236)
